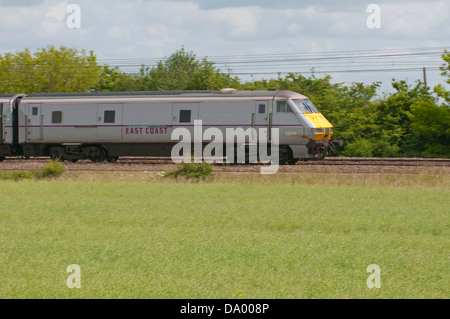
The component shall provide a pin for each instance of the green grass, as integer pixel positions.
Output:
(53, 169)
(222, 240)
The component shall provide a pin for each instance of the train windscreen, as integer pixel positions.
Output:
(305, 106)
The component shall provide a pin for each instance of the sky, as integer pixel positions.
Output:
(129, 33)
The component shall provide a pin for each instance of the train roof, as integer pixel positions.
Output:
(5, 98)
(127, 93)
(166, 94)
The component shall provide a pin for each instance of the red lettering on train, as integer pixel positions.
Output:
(148, 130)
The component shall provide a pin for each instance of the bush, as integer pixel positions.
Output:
(192, 170)
(15, 176)
(359, 148)
(53, 169)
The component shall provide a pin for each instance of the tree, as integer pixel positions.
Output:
(394, 116)
(16, 72)
(445, 68)
(180, 71)
(431, 127)
(111, 79)
(48, 70)
(183, 71)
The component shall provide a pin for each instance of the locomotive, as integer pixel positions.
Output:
(105, 125)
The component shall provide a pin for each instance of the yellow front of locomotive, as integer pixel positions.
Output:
(317, 129)
(323, 130)
(317, 126)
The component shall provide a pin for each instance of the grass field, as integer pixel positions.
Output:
(223, 239)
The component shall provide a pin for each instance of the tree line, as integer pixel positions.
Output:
(413, 121)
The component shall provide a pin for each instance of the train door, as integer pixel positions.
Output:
(261, 118)
(109, 122)
(2, 132)
(184, 114)
(33, 123)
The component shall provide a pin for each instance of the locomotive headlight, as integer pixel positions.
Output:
(317, 130)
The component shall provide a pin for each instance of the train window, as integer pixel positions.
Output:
(109, 116)
(310, 106)
(34, 110)
(305, 106)
(185, 116)
(261, 108)
(283, 106)
(57, 117)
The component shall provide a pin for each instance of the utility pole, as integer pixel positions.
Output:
(424, 77)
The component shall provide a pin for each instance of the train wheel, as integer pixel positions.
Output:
(98, 156)
(55, 154)
(285, 156)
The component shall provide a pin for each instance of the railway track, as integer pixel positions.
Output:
(330, 164)
(380, 161)
(325, 161)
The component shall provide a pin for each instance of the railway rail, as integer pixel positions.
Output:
(380, 161)
(325, 161)
(343, 164)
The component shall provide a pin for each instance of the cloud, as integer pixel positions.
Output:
(23, 22)
(324, 5)
(416, 19)
(156, 28)
(157, 38)
(235, 23)
(119, 33)
(20, 3)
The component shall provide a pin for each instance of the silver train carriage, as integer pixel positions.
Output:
(104, 126)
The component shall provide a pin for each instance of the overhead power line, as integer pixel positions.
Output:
(341, 71)
(387, 60)
(356, 61)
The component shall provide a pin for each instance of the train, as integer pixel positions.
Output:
(107, 125)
